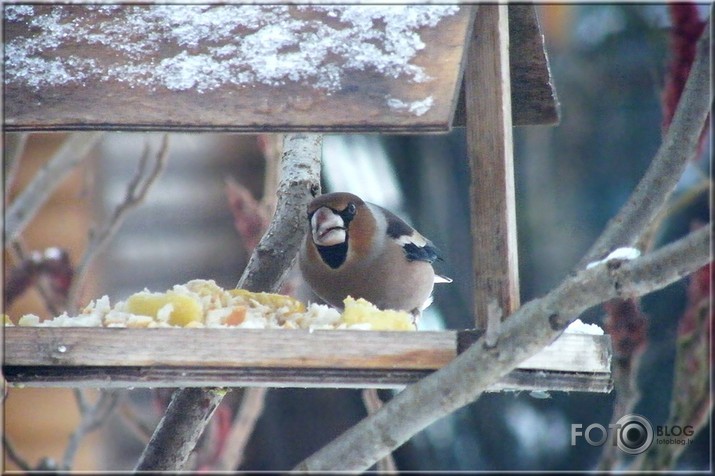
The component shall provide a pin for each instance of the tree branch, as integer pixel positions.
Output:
(540, 321)
(24, 207)
(523, 334)
(13, 455)
(691, 403)
(14, 148)
(300, 182)
(373, 403)
(93, 416)
(190, 409)
(251, 408)
(135, 194)
(139, 428)
(679, 144)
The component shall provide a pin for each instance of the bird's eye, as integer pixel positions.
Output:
(351, 209)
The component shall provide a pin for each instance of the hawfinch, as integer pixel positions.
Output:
(358, 249)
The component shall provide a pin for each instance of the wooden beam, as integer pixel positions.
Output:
(134, 82)
(100, 357)
(490, 149)
(533, 95)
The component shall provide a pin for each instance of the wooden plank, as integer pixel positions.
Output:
(585, 355)
(490, 149)
(533, 95)
(535, 380)
(126, 68)
(170, 377)
(100, 357)
(230, 348)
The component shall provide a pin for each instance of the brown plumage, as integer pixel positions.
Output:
(359, 249)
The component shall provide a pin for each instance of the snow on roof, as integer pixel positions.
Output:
(205, 47)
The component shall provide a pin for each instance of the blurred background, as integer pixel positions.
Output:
(608, 64)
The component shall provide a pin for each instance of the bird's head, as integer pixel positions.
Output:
(330, 216)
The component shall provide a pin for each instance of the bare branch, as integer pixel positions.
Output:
(135, 423)
(691, 404)
(524, 333)
(191, 409)
(82, 404)
(540, 321)
(93, 417)
(50, 271)
(300, 172)
(679, 144)
(372, 403)
(13, 455)
(14, 148)
(24, 207)
(135, 194)
(628, 328)
(252, 403)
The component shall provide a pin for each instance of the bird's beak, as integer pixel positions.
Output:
(327, 227)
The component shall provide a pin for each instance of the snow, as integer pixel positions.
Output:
(415, 107)
(202, 48)
(625, 253)
(579, 327)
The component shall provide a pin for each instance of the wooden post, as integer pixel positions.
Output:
(489, 144)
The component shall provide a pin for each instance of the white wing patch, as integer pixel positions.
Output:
(415, 239)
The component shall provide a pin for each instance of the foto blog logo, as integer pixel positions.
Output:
(633, 434)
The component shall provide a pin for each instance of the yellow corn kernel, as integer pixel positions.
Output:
(186, 309)
(274, 301)
(361, 311)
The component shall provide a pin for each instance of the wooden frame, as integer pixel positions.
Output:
(489, 102)
(97, 357)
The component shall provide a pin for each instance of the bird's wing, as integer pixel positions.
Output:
(415, 246)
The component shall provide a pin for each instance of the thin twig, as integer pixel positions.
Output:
(21, 254)
(136, 191)
(250, 410)
(92, 418)
(13, 455)
(82, 403)
(15, 145)
(191, 409)
(647, 238)
(140, 429)
(24, 207)
(373, 403)
(271, 146)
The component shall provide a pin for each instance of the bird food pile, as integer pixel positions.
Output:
(201, 303)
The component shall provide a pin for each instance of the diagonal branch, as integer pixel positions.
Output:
(14, 149)
(24, 207)
(251, 408)
(540, 321)
(679, 144)
(13, 455)
(191, 409)
(523, 334)
(372, 403)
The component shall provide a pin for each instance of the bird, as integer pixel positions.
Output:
(359, 249)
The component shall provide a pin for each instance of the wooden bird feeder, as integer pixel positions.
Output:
(75, 67)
